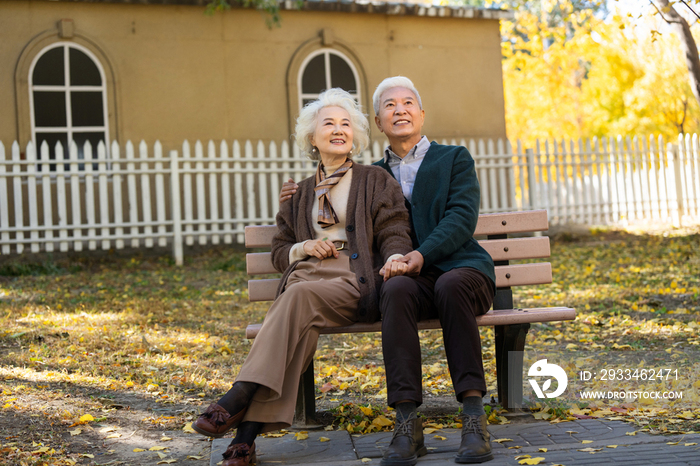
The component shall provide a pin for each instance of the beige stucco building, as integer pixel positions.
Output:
(163, 70)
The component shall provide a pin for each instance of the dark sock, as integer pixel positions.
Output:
(247, 432)
(406, 410)
(473, 405)
(238, 397)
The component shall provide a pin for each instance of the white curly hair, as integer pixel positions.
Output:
(390, 83)
(306, 122)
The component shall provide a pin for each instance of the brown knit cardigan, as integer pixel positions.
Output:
(377, 226)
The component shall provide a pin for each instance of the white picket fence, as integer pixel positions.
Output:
(145, 198)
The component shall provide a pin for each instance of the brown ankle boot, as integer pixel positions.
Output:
(406, 444)
(476, 440)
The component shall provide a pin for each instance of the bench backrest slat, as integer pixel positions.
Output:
(260, 263)
(506, 275)
(260, 236)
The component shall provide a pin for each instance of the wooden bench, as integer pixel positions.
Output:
(511, 325)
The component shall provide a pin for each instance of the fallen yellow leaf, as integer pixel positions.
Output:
(590, 450)
(631, 433)
(87, 455)
(671, 443)
(188, 428)
(136, 450)
(157, 448)
(86, 418)
(519, 457)
(537, 460)
(612, 446)
(324, 439)
(193, 457)
(75, 432)
(440, 437)
(303, 435)
(543, 450)
(586, 441)
(690, 444)
(114, 435)
(165, 439)
(382, 421)
(41, 450)
(501, 440)
(170, 461)
(429, 430)
(366, 460)
(161, 455)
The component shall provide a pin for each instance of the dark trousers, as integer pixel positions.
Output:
(456, 297)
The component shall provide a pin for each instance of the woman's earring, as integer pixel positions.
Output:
(314, 149)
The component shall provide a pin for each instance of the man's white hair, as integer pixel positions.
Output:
(390, 83)
(336, 97)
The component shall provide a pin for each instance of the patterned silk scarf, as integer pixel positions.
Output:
(326, 214)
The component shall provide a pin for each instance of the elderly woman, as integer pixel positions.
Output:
(337, 237)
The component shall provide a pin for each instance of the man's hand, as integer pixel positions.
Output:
(321, 248)
(393, 268)
(289, 187)
(414, 261)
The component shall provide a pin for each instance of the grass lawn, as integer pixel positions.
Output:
(79, 333)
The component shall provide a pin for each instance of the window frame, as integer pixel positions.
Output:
(325, 39)
(326, 52)
(69, 129)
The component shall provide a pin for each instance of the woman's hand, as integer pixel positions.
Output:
(321, 248)
(393, 268)
(289, 187)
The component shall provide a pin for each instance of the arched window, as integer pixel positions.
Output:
(67, 98)
(323, 69)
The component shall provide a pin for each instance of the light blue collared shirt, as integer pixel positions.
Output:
(405, 169)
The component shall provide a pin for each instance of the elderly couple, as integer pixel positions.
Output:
(358, 243)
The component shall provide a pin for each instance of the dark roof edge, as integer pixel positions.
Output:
(398, 9)
(350, 6)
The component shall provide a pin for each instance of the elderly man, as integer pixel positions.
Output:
(452, 277)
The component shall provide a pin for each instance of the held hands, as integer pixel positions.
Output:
(414, 262)
(393, 268)
(288, 188)
(321, 248)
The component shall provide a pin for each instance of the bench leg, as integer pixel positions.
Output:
(305, 412)
(510, 344)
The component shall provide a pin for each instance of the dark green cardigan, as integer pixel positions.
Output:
(444, 210)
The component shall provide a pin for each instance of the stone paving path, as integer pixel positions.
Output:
(563, 442)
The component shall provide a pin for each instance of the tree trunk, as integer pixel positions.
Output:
(690, 48)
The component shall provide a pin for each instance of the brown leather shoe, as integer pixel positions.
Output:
(239, 454)
(216, 421)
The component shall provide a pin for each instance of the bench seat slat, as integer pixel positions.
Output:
(493, 317)
(506, 275)
(260, 263)
(260, 236)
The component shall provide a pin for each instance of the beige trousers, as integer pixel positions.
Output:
(318, 294)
